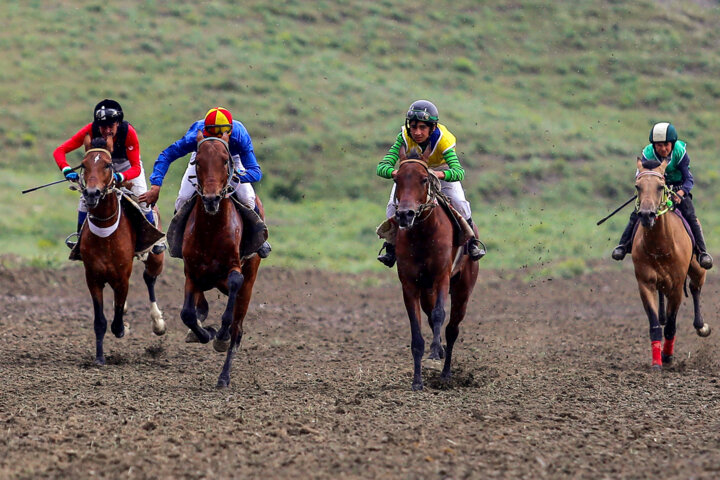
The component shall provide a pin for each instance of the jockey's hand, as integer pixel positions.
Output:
(119, 178)
(394, 174)
(438, 174)
(70, 175)
(679, 196)
(151, 196)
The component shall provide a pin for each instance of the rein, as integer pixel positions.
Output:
(228, 189)
(665, 201)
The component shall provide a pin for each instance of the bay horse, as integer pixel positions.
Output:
(662, 255)
(425, 258)
(211, 252)
(108, 245)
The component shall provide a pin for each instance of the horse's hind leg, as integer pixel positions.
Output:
(188, 314)
(99, 322)
(201, 310)
(673, 306)
(697, 280)
(458, 308)
(417, 345)
(153, 268)
(436, 320)
(662, 313)
(222, 340)
(118, 326)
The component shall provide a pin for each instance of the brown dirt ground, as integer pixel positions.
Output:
(552, 380)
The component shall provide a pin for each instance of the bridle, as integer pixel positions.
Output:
(229, 188)
(433, 189)
(665, 200)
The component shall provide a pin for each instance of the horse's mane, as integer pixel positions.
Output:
(99, 142)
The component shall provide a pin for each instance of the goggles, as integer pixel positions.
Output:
(107, 114)
(218, 129)
(422, 115)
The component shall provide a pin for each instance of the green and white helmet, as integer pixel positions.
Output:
(423, 111)
(663, 132)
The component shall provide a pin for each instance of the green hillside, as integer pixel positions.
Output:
(550, 101)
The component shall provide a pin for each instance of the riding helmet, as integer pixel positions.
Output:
(218, 120)
(663, 132)
(108, 112)
(422, 110)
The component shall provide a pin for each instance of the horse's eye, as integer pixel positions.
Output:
(424, 181)
(660, 188)
(107, 166)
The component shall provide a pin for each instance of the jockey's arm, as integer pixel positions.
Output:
(73, 143)
(253, 172)
(132, 150)
(386, 167)
(455, 171)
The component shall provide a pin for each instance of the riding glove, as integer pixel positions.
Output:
(70, 175)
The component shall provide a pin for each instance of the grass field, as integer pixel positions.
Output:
(550, 102)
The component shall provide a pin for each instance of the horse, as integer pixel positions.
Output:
(425, 259)
(662, 254)
(211, 252)
(108, 245)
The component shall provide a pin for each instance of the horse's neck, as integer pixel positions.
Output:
(105, 209)
(426, 228)
(203, 218)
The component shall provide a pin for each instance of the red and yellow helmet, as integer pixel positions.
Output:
(217, 121)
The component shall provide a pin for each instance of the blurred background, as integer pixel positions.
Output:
(550, 102)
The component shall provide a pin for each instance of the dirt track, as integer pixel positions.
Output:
(551, 380)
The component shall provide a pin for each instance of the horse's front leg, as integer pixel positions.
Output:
(188, 314)
(673, 307)
(153, 268)
(648, 296)
(234, 282)
(662, 312)
(121, 290)
(436, 320)
(250, 269)
(417, 345)
(99, 321)
(201, 310)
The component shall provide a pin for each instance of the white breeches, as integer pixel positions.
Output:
(138, 186)
(243, 192)
(453, 190)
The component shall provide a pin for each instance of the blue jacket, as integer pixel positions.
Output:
(240, 144)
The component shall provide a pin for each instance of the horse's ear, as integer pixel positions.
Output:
(199, 136)
(663, 166)
(87, 142)
(109, 142)
(401, 154)
(640, 165)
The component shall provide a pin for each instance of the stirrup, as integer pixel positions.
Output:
(479, 252)
(264, 250)
(72, 240)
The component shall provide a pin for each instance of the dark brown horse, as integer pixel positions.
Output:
(211, 251)
(662, 253)
(425, 258)
(108, 245)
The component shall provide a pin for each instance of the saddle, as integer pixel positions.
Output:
(255, 231)
(147, 235)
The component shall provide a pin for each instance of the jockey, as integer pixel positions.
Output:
(109, 122)
(665, 146)
(422, 131)
(216, 122)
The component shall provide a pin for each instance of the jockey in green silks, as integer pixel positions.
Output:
(421, 132)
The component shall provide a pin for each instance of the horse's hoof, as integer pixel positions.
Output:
(222, 384)
(656, 368)
(416, 386)
(704, 331)
(667, 359)
(159, 329)
(221, 345)
(100, 361)
(445, 377)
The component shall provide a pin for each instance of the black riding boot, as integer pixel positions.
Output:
(388, 258)
(624, 246)
(704, 258)
(476, 249)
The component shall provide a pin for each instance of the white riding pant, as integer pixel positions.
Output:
(138, 186)
(243, 192)
(453, 190)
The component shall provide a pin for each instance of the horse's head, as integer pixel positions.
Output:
(97, 175)
(650, 186)
(214, 167)
(412, 189)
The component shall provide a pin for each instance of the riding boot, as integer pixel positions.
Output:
(159, 247)
(475, 250)
(388, 258)
(74, 238)
(265, 248)
(624, 246)
(704, 258)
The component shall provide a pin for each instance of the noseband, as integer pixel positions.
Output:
(228, 189)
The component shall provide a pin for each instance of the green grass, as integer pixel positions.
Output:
(550, 103)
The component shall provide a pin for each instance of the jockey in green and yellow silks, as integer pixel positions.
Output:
(420, 133)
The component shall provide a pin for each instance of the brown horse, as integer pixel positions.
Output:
(662, 254)
(211, 251)
(425, 258)
(108, 245)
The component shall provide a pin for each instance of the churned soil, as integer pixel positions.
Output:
(551, 380)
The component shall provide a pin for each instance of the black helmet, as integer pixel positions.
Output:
(108, 112)
(422, 110)
(663, 132)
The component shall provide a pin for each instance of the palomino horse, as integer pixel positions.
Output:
(211, 251)
(425, 257)
(108, 245)
(662, 253)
